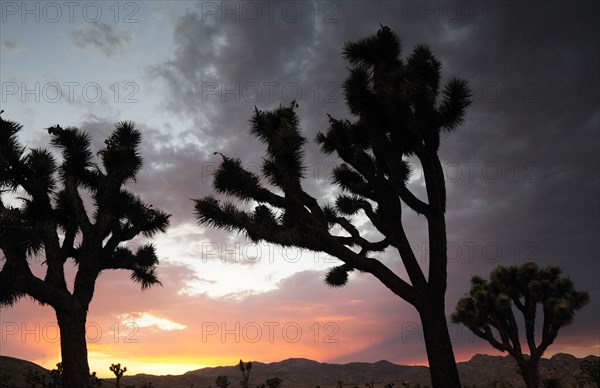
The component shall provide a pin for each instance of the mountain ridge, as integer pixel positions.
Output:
(482, 370)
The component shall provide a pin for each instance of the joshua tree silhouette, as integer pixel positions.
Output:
(400, 114)
(488, 307)
(53, 220)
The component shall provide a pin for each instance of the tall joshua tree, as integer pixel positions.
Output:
(400, 113)
(52, 219)
(487, 310)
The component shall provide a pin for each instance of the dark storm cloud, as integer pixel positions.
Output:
(531, 142)
(102, 37)
(522, 172)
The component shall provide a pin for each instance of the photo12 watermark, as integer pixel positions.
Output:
(252, 253)
(269, 12)
(269, 331)
(468, 11)
(69, 91)
(69, 11)
(49, 332)
(413, 331)
(526, 92)
(469, 252)
(481, 251)
(269, 92)
(482, 172)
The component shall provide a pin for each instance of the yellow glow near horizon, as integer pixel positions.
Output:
(100, 363)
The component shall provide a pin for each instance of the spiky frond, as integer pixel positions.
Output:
(351, 181)
(265, 125)
(385, 46)
(348, 205)
(145, 256)
(77, 155)
(265, 216)
(21, 232)
(145, 277)
(358, 90)
(142, 263)
(210, 212)
(286, 153)
(9, 295)
(338, 276)
(120, 157)
(424, 69)
(457, 98)
(231, 178)
(339, 137)
(11, 155)
(43, 167)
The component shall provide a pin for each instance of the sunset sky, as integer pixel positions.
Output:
(522, 172)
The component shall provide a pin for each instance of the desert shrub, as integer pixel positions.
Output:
(222, 381)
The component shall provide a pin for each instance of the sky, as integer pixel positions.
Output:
(522, 172)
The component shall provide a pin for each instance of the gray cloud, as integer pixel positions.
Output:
(102, 37)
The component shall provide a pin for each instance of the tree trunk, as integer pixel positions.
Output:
(442, 366)
(530, 374)
(76, 372)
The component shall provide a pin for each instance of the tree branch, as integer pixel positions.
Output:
(78, 207)
(413, 202)
(529, 315)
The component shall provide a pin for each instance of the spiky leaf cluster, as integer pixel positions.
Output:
(278, 129)
(397, 100)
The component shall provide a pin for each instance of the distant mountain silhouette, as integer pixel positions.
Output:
(12, 371)
(302, 372)
(481, 370)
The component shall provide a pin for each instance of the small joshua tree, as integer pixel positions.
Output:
(487, 310)
(95, 381)
(245, 368)
(119, 372)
